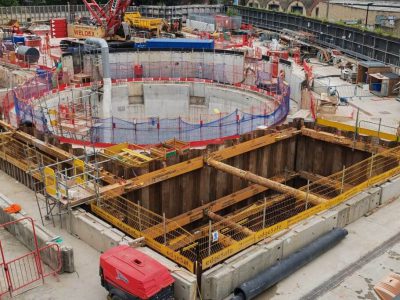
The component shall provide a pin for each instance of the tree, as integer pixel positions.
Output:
(9, 2)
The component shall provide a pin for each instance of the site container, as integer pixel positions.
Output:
(179, 44)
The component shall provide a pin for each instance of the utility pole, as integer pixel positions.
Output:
(366, 17)
(327, 10)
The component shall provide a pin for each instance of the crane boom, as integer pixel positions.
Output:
(110, 16)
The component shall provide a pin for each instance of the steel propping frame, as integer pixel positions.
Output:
(365, 45)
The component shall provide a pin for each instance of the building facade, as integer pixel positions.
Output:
(385, 17)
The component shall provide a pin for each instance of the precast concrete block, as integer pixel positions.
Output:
(342, 211)
(390, 190)
(253, 262)
(110, 239)
(359, 206)
(245, 266)
(330, 216)
(89, 231)
(376, 193)
(305, 232)
(275, 252)
(217, 282)
(185, 287)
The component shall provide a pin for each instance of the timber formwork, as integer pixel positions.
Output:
(203, 206)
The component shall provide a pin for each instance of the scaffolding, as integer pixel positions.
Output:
(60, 183)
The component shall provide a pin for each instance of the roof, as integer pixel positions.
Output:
(372, 64)
(391, 75)
(382, 76)
(375, 7)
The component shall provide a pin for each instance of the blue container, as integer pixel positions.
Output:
(18, 39)
(180, 44)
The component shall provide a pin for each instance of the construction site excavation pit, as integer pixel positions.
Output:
(199, 207)
(147, 97)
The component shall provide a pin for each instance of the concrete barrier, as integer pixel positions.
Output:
(307, 231)
(219, 282)
(359, 206)
(95, 232)
(375, 198)
(22, 231)
(390, 190)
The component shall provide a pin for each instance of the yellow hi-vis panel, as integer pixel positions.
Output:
(79, 170)
(50, 181)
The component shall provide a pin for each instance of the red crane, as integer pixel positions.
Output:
(110, 15)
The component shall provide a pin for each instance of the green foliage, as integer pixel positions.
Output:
(231, 12)
(9, 2)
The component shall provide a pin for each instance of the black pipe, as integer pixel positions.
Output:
(281, 270)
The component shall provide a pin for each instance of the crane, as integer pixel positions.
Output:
(110, 15)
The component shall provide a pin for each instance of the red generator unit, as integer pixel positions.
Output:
(128, 274)
(58, 28)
